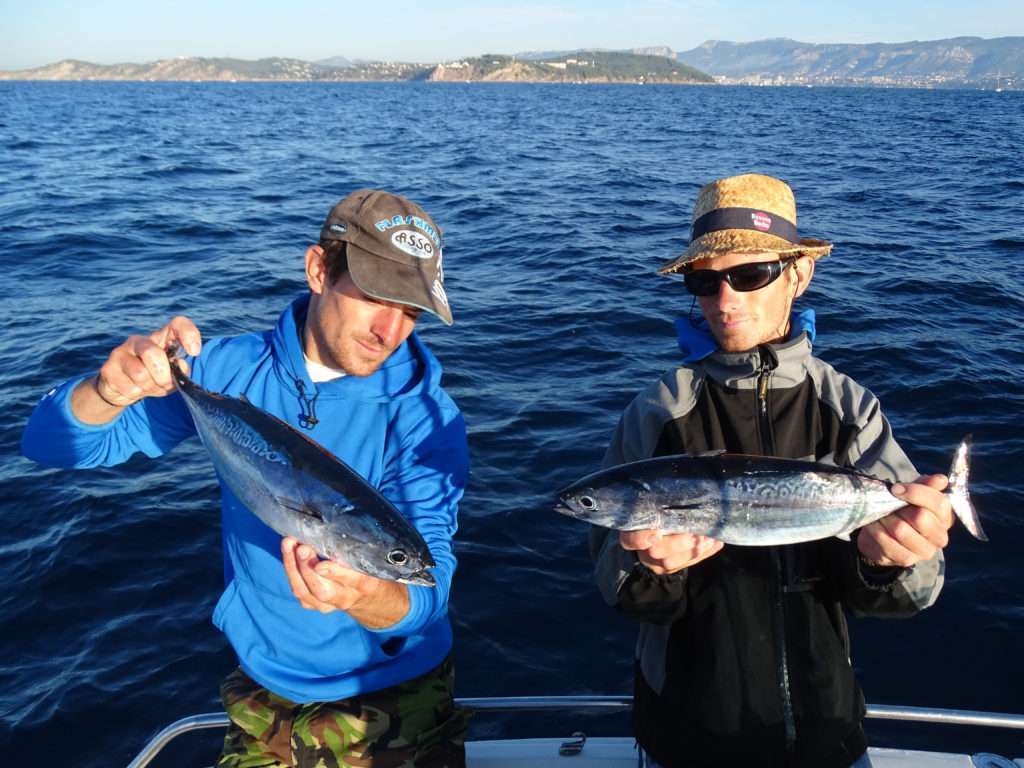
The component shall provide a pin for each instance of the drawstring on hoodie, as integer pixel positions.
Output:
(694, 321)
(307, 416)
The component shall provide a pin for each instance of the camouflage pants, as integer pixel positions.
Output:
(411, 725)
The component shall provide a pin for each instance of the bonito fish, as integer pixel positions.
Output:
(299, 489)
(751, 500)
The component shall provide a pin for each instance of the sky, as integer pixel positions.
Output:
(38, 32)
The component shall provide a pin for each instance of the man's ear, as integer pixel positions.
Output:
(803, 268)
(316, 269)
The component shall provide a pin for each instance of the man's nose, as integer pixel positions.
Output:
(387, 325)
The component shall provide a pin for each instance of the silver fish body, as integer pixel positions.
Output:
(299, 489)
(746, 500)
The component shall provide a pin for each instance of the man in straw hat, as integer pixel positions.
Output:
(336, 667)
(743, 656)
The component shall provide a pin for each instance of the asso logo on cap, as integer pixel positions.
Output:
(422, 244)
(761, 221)
(414, 244)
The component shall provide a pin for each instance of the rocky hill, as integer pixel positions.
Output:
(576, 67)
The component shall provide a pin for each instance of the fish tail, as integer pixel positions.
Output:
(959, 496)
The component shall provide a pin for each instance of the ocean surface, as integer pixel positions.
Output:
(122, 205)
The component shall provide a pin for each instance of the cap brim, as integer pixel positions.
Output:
(390, 280)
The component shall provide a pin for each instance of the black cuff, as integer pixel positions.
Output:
(882, 577)
(665, 580)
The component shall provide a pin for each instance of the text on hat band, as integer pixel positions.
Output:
(744, 218)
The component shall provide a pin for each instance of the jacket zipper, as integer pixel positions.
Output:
(784, 690)
(768, 448)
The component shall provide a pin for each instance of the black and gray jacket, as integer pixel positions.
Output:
(744, 658)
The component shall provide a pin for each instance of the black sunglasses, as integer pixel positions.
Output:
(743, 277)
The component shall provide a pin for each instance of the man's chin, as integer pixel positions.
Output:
(365, 366)
(364, 369)
(734, 344)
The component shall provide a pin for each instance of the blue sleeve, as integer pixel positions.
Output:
(425, 481)
(54, 435)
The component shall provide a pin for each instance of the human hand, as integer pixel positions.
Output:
(327, 585)
(139, 367)
(666, 553)
(914, 532)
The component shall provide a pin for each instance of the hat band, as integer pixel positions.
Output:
(744, 218)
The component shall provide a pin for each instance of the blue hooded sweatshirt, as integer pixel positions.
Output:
(396, 428)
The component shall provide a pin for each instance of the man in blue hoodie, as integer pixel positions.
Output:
(335, 667)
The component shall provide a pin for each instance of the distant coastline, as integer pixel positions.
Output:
(965, 62)
(579, 67)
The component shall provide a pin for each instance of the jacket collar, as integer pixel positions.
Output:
(786, 359)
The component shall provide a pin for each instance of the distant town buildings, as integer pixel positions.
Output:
(876, 81)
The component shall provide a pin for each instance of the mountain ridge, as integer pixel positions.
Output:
(960, 60)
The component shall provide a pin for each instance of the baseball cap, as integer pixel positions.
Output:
(394, 249)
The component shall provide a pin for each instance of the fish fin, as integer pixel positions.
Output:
(244, 399)
(959, 496)
(300, 508)
(707, 454)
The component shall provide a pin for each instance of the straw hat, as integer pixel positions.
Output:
(751, 213)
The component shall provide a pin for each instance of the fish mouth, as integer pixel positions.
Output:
(420, 579)
(562, 508)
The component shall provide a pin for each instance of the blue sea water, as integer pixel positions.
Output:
(124, 204)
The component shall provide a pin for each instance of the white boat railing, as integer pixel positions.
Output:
(607, 703)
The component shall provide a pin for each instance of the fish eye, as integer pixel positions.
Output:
(398, 557)
(588, 503)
